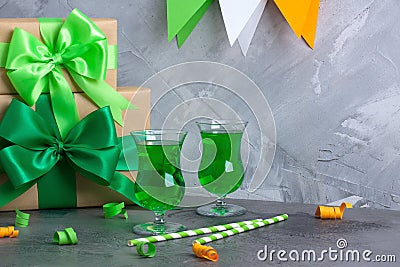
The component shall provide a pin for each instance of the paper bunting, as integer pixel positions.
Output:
(183, 16)
(302, 16)
(241, 19)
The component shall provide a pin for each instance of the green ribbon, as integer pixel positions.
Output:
(21, 218)
(183, 16)
(151, 249)
(66, 237)
(128, 159)
(112, 62)
(38, 154)
(113, 209)
(77, 45)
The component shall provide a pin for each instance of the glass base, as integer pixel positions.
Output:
(156, 229)
(227, 210)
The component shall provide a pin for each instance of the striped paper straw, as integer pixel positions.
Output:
(200, 231)
(241, 229)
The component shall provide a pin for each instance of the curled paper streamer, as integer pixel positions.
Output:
(151, 249)
(66, 237)
(205, 252)
(325, 212)
(113, 209)
(21, 219)
(8, 231)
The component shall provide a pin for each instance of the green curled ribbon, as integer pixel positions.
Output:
(113, 209)
(77, 45)
(21, 218)
(66, 237)
(38, 154)
(151, 249)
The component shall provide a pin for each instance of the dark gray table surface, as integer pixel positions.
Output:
(102, 242)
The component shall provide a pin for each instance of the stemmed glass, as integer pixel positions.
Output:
(221, 169)
(159, 184)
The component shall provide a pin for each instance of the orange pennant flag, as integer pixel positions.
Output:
(302, 16)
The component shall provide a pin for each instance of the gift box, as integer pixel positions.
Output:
(65, 153)
(32, 26)
(88, 193)
(59, 57)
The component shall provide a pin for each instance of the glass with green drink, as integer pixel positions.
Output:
(159, 184)
(221, 169)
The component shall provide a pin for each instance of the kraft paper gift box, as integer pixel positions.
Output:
(56, 56)
(31, 25)
(89, 194)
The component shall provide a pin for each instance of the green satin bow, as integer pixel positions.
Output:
(77, 45)
(90, 148)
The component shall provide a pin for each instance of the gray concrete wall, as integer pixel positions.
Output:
(336, 108)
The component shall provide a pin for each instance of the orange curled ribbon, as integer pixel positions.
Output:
(325, 212)
(8, 231)
(205, 252)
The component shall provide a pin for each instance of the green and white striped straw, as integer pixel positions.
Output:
(187, 233)
(241, 229)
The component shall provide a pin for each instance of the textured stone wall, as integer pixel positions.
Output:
(336, 108)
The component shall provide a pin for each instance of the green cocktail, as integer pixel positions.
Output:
(159, 184)
(221, 170)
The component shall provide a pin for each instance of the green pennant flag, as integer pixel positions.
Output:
(183, 16)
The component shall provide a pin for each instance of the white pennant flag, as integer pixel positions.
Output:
(241, 18)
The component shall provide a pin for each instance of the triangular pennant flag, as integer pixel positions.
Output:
(183, 16)
(302, 16)
(241, 19)
(248, 32)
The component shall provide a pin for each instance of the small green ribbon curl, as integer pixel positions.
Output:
(21, 218)
(151, 249)
(113, 209)
(66, 237)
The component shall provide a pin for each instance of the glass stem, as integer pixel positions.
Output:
(221, 202)
(159, 222)
(221, 207)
